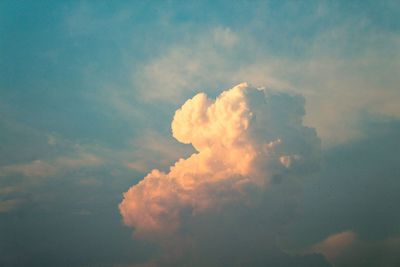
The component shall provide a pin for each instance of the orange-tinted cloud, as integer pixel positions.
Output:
(333, 246)
(347, 249)
(244, 138)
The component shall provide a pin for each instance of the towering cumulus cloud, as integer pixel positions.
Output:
(247, 140)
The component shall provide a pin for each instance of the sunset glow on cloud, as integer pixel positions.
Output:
(199, 133)
(243, 138)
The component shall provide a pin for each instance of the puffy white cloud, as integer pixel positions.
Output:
(245, 138)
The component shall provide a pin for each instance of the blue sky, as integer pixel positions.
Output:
(88, 90)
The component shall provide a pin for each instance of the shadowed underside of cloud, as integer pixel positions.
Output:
(351, 213)
(226, 203)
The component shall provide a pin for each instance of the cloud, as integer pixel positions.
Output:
(18, 181)
(153, 150)
(34, 168)
(345, 63)
(350, 213)
(251, 152)
(338, 88)
(335, 244)
(225, 37)
(345, 248)
(39, 168)
(170, 76)
(7, 205)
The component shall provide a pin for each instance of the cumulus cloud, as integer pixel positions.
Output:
(246, 140)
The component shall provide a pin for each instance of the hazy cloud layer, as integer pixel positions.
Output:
(339, 89)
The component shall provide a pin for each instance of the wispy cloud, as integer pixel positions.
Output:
(339, 85)
(346, 248)
(7, 205)
(39, 168)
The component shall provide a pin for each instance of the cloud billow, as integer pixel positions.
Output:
(237, 190)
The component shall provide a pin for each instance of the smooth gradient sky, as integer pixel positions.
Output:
(88, 90)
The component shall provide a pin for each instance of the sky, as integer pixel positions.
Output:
(199, 133)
